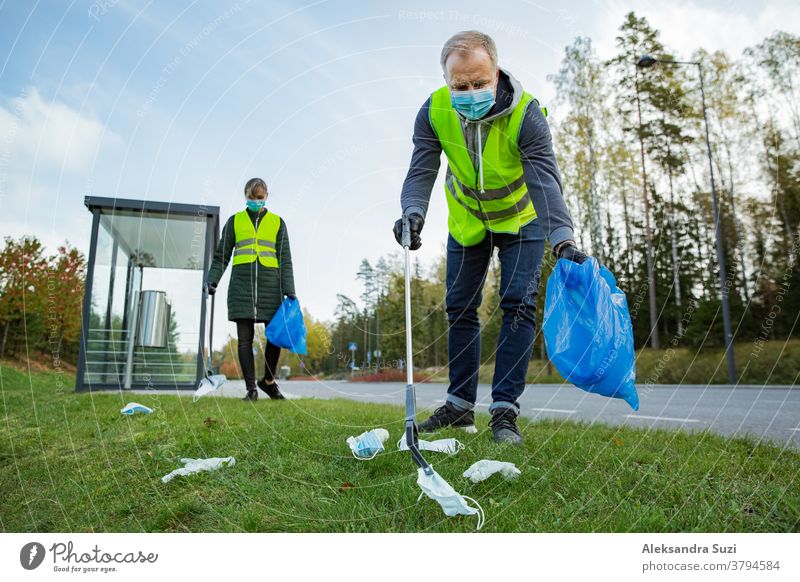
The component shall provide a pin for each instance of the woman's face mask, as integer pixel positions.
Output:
(256, 205)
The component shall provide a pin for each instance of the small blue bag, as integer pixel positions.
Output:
(287, 329)
(588, 332)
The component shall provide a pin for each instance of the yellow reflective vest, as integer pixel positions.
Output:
(494, 195)
(251, 243)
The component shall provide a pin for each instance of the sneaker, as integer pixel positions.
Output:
(271, 389)
(449, 415)
(252, 395)
(504, 426)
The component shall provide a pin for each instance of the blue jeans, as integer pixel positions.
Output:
(520, 267)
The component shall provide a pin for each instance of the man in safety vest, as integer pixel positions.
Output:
(503, 189)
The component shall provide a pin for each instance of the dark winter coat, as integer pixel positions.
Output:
(272, 284)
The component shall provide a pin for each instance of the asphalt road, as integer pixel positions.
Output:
(768, 412)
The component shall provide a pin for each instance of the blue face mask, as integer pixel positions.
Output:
(256, 205)
(368, 444)
(472, 104)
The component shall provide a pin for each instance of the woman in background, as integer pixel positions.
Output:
(260, 278)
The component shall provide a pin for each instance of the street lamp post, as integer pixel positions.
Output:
(645, 62)
(651, 280)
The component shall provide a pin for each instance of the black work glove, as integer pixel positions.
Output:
(211, 288)
(569, 251)
(415, 224)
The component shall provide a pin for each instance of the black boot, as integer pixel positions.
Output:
(504, 426)
(271, 389)
(449, 415)
(252, 395)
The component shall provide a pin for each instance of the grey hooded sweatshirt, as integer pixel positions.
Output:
(536, 153)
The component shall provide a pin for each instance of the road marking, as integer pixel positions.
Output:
(643, 417)
(554, 410)
(794, 429)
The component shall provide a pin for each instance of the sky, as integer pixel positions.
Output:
(184, 102)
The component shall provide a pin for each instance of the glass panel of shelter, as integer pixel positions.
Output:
(136, 252)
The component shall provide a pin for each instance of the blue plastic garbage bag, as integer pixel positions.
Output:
(287, 328)
(587, 330)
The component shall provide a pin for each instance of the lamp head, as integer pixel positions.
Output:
(646, 61)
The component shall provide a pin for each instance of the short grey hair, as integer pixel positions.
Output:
(468, 41)
(253, 185)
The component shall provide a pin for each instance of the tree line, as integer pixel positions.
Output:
(40, 300)
(615, 110)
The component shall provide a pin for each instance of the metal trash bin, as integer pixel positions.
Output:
(154, 315)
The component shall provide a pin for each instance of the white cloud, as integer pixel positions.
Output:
(48, 151)
(51, 135)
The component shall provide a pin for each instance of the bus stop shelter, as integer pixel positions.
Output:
(144, 316)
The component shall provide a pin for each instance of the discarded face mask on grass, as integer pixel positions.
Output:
(367, 445)
(134, 407)
(192, 466)
(448, 446)
(451, 501)
(485, 468)
(208, 385)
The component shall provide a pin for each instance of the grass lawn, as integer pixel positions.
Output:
(72, 462)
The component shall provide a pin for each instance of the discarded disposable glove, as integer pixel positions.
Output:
(485, 468)
(367, 445)
(449, 446)
(134, 407)
(192, 466)
(451, 501)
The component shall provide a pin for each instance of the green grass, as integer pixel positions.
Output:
(773, 362)
(72, 462)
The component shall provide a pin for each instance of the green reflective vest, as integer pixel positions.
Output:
(251, 244)
(494, 195)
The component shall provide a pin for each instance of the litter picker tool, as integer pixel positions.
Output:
(431, 483)
(412, 435)
(210, 381)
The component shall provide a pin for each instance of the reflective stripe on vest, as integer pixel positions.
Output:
(499, 201)
(251, 244)
(249, 241)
